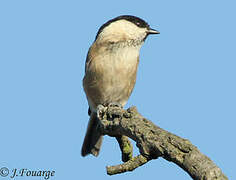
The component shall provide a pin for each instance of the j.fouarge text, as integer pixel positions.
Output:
(26, 172)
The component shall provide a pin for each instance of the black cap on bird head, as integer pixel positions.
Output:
(134, 19)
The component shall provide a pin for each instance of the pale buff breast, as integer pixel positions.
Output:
(110, 77)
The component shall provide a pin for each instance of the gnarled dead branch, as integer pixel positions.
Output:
(154, 142)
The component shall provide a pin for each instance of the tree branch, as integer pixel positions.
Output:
(127, 166)
(125, 147)
(154, 142)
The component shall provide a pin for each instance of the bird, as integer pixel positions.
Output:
(111, 69)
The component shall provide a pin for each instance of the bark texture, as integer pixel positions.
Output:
(154, 142)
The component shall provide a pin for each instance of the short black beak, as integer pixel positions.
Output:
(153, 31)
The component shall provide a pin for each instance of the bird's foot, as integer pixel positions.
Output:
(100, 111)
(115, 104)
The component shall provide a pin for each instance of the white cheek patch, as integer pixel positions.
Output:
(125, 29)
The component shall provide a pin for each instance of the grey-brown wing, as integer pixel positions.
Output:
(88, 60)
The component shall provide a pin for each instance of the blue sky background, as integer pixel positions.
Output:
(185, 84)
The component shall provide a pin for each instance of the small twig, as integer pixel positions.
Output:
(127, 166)
(125, 147)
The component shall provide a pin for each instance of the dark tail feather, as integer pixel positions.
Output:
(93, 139)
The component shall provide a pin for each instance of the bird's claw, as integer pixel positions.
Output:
(100, 110)
(115, 104)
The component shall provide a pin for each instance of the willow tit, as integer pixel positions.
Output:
(110, 70)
